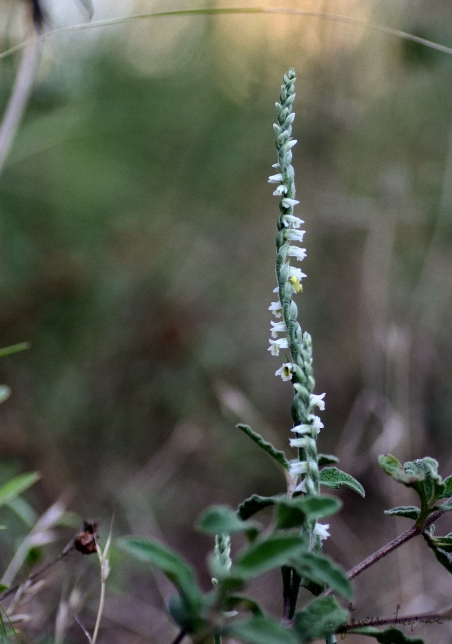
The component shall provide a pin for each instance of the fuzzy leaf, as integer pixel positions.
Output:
(447, 487)
(178, 571)
(279, 456)
(445, 507)
(322, 617)
(323, 571)
(17, 485)
(260, 630)
(334, 478)
(408, 511)
(393, 467)
(389, 636)
(274, 552)
(291, 513)
(326, 459)
(445, 543)
(444, 558)
(255, 503)
(219, 519)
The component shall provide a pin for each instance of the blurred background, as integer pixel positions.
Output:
(137, 257)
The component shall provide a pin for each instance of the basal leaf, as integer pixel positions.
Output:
(15, 486)
(170, 563)
(274, 552)
(255, 503)
(276, 454)
(320, 569)
(408, 511)
(322, 617)
(260, 630)
(219, 519)
(334, 478)
(389, 636)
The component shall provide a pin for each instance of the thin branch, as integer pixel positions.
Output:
(180, 636)
(19, 98)
(242, 10)
(38, 573)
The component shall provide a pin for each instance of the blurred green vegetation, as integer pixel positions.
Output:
(137, 256)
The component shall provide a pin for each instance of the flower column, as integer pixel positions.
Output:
(304, 472)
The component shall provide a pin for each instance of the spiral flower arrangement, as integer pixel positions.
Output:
(287, 333)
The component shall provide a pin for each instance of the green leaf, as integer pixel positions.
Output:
(320, 569)
(291, 513)
(444, 558)
(447, 487)
(334, 478)
(322, 617)
(242, 602)
(445, 543)
(393, 468)
(279, 456)
(255, 503)
(274, 552)
(260, 630)
(326, 459)
(408, 511)
(14, 348)
(174, 567)
(5, 393)
(389, 636)
(17, 485)
(219, 519)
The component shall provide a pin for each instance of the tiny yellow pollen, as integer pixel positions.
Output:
(296, 284)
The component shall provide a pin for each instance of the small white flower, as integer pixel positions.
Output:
(316, 400)
(297, 467)
(298, 442)
(277, 327)
(277, 345)
(301, 487)
(276, 165)
(288, 203)
(294, 235)
(321, 530)
(301, 429)
(276, 178)
(285, 371)
(296, 272)
(280, 190)
(317, 424)
(290, 220)
(276, 289)
(276, 309)
(298, 253)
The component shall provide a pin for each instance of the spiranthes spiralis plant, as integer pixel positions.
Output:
(293, 540)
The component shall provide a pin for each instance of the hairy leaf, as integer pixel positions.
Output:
(322, 617)
(260, 630)
(326, 459)
(334, 478)
(170, 563)
(279, 456)
(408, 511)
(320, 569)
(291, 513)
(219, 519)
(274, 552)
(255, 503)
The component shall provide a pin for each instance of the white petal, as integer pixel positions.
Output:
(291, 220)
(277, 327)
(285, 371)
(301, 487)
(317, 424)
(280, 190)
(298, 253)
(296, 272)
(276, 178)
(298, 442)
(294, 235)
(288, 203)
(302, 429)
(317, 401)
(321, 530)
(276, 345)
(276, 309)
(298, 467)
